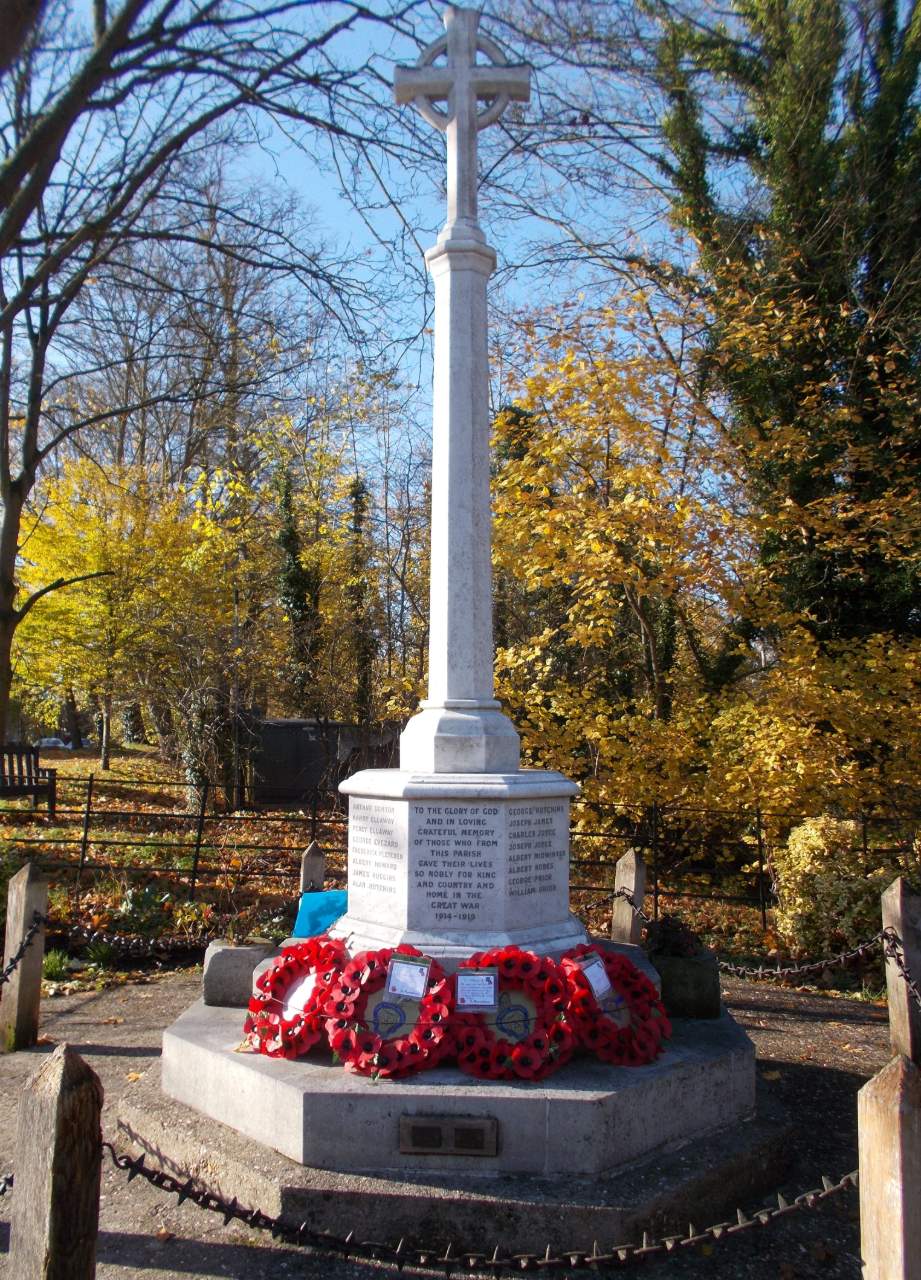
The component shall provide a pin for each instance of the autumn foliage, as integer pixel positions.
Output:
(649, 642)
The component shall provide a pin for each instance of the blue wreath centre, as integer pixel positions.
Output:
(514, 1021)
(387, 1018)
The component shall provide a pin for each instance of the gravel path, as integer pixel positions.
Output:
(814, 1053)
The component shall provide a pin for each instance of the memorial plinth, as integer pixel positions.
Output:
(457, 863)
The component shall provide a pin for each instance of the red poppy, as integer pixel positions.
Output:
(342, 1041)
(526, 1061)
(469, 1037)
(634, 1044)
(418, 1046)
(286, 1013)
(555, 987)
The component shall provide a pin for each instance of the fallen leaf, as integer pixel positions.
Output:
(164, 1234)
(131, 1076)
(110, 1022)
(45, 1040)
(770, 1075)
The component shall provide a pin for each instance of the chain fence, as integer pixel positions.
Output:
(453, 1260)
(136, 946)
(27, 939)
(166, 945)
(895, 951)
(812, 968)
(893, 948)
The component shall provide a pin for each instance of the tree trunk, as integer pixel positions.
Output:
(9, 618)
(73, 720)
(105, 740)
(160, 719)
(7, 631)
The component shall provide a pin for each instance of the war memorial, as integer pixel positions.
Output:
(457, 854)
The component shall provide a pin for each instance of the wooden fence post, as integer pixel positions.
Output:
(85, 835)
(27, 893)
(630, 875)
(55, 1210)
(889, 1115)
(313, 868)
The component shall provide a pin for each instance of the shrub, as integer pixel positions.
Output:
(829, 888)
(101, 955)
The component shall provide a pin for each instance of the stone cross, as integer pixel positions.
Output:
(460, 728)
(462, 84)
(459, 849)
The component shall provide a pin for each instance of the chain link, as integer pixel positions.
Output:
(28, 938)
(170, 944)
(629, 898)
(894, 948)
(763, 971)
(457, 1260)
(813, 968)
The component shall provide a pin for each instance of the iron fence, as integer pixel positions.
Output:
(703, 854)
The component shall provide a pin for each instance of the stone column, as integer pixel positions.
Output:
(458, 850)
(460, 728)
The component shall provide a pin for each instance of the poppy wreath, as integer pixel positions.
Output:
(632, 1037)
(279, 1027)
(357, 1027)
(527, 1038)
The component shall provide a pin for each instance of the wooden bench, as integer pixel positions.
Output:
(21, 775)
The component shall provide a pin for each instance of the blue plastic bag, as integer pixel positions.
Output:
(317, 912)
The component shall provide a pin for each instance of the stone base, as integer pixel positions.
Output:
(690, 984)
(228, 971)
(701, 1179)
(589, 1118)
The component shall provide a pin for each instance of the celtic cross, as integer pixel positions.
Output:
(462, 84)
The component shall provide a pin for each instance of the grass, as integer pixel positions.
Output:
(55, 965)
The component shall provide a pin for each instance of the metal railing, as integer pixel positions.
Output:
(718, 855)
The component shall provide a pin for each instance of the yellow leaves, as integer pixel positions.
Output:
(627, 535)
